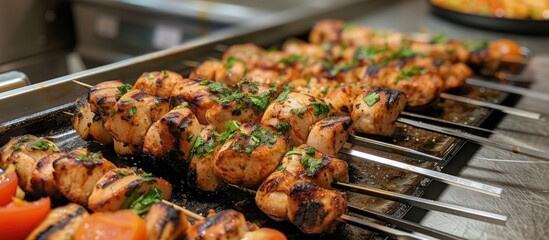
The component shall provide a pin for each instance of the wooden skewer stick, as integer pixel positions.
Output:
(69, 113)
(184, 210)
(83, 84)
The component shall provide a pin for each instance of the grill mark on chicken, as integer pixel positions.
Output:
(110, 181)
(372, 71)
(172, 216)
(133, 186)
(138, 95)
(44, 235)
(220, 217)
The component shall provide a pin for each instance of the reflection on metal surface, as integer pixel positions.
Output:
(449, 179)
(508, 88)
(505, 109)
(12, 80)
(479, 140)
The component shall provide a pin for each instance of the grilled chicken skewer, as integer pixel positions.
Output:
(310, 107)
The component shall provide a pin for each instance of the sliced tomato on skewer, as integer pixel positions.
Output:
(19, 218)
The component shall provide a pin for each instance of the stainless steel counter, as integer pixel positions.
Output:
(525, 182)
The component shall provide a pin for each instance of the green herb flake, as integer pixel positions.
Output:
(182, 105)
(260, 102)
(368, 53)
(281, 168)
(294, 151)
(231, 61)
(121, 173)
(123, 89)
(131, 111)
(41, 145)
(408, 72)
(150, 76)
(93, 157)
(320, 109)
(165, 74)
(142, 204)
(311, 164)
(283, 127)
(283, 95)
(147, 177)
(17, 146)
(291, 59)
(477, 46)
(371, 99)
(439, 38)
(309, 150)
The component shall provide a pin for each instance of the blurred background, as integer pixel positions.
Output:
(45, 39)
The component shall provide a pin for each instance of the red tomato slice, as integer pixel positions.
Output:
(19, 218)
(8, 187)
(123, 225)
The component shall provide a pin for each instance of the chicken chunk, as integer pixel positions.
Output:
(135, 112)
(249, 54)
(77, 173)
(294, 115)
(264, 234)
(171, 137)
(244, 104)
(302, 163)
(328, 30)
(420, 87)
(249, 155)
(24, 152)
(329, 134)
(226, 225)
(103, 96)
(376, 110)
(314, 209)
(163, 222)
(60, 224)
(120, 187)
(158, 84)
(89, 125)
(42, 182)
(201, 173)
(197, 94)
(340, 98)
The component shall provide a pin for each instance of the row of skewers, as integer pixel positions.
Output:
(259, 104)
(89, 181)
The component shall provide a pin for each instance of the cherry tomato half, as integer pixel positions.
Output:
(8, 187)
(19, 218)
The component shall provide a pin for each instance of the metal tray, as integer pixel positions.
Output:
(51, 122)
(523, 26)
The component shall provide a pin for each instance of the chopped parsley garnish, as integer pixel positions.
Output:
(439, 38)
(182, 105)
(283, 95)
(216, 87)
(231, 60)
(131, 111)
(146, 177)
(410, 71)
(283, 127)
(294, 151)
(281, 168)
(291, 59)
(42, 145)
(258, 136)
(300, 112)
(20, 142)
(261, 102)
(142, 205)
(231, 127)
(367, 53)
(202, 147)
(371, 99)
(337, 68)
(309, 150)
(348, 26)
(123, 89)
(401, 53)
(150, 76)
(477, 46)
(165, 74)
(311, 164)
(121, 173)
(93, 157)
(324, 90)
(320, 109)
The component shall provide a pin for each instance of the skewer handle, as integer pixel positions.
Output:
(380, 228)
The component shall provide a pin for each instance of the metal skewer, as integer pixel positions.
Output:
(461, 125)
(378, 228)
(442, 177)
(83, 84)
(426, 203)
(372, 226)
(366, 142)
(401, 223)
(508, 88)
(505, 109)
(477, 139)
(184, 210)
